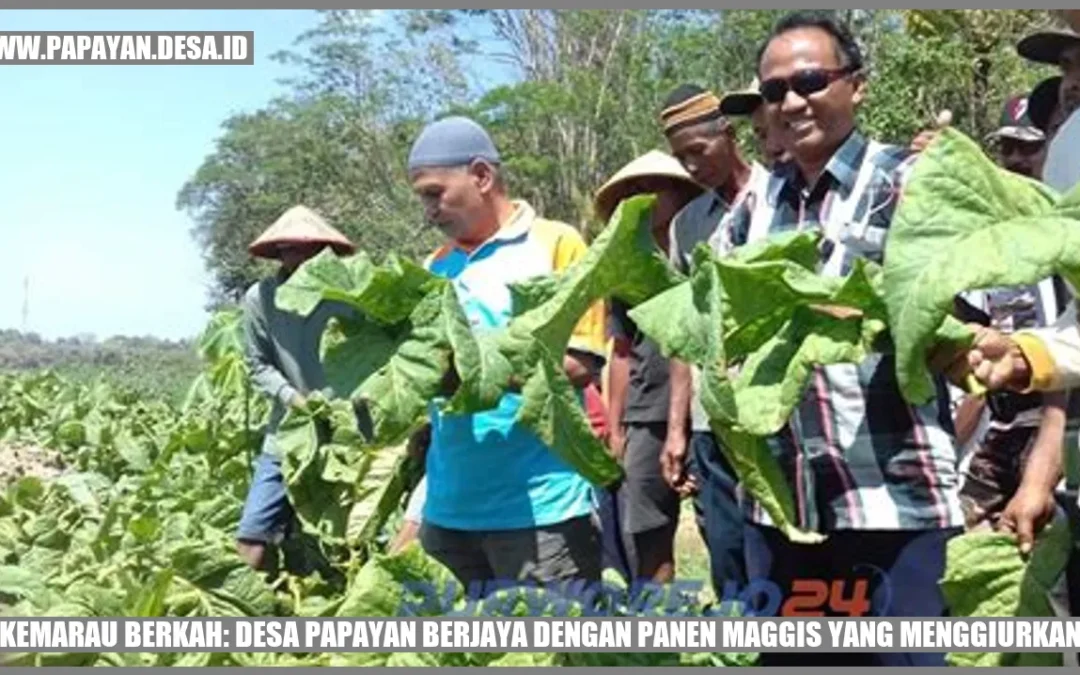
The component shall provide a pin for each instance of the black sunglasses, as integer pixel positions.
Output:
(1008, 146)
(804, 83)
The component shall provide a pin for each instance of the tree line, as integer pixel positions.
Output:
(578, 97)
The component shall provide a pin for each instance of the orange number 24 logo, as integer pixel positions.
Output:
(810, 597)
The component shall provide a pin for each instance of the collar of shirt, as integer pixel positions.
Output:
(716, 203)
(752, 181)
(840, 173)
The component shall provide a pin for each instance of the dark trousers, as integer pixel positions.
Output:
(615, 554)
(719, 518)
(900, 569)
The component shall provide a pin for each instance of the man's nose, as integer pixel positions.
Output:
(792, 101)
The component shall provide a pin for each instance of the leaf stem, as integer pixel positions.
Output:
(973, 386)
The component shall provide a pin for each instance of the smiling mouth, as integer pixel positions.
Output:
(800, 126)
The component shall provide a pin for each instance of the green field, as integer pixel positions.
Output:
(117, 503)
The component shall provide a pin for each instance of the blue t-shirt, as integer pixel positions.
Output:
(484, 471)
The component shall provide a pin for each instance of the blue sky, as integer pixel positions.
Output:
(93, 159)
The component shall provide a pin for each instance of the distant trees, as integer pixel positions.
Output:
(582, 95)
(143, 364)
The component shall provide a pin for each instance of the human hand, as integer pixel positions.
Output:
(1026, 514)
(952, 360)
(298, 401)
(616, 442)
(997, 362)
(927, 136)
(673, 465)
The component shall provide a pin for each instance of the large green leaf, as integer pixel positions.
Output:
(223, 336)
(840, 328)
(801, 248)
(760, 298)
(19, 583)
(386, 583)
(353, 350)
(481, 361)
(687, 323)
(396, 396)
(773, 380)
(318, 480)
(211, 580)
(552, 409)
(376, 494)
(341, 490)
(986, 576)
(964, 224)
(623, 262)
(385, 293)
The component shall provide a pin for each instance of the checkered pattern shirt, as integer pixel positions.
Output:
(855, 453)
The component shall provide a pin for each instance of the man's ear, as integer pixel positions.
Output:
(858, 80)
(483, 174)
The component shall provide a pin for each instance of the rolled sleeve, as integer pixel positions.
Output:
(1053, 353)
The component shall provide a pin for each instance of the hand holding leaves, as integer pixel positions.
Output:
(416, 346)
(965, 224)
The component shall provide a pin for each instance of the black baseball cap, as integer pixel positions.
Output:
(1016, 123)
(742, 102)
(1046, 46)
(1042, 101)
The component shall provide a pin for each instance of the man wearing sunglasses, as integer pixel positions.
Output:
(876, 474)
(703, 141)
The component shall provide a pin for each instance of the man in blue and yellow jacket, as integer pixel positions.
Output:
(500, 506)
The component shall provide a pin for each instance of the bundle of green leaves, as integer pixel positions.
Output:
(395, 361)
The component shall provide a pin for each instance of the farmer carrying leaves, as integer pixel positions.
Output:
(282, 352)
(639, 388)
(500, 505)
(876, 474)
(703, 140)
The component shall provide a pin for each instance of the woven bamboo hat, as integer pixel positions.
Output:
(653, 166)
(299, 226)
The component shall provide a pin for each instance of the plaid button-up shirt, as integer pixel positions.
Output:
(855, 453)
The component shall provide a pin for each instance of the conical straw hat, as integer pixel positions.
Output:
(652, 165)
(299, 225)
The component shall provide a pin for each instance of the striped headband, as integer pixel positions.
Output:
(700, 108)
